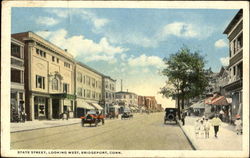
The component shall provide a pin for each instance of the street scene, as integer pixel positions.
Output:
(126, 79)
(138, 133)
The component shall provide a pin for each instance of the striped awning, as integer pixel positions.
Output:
(81, 103)
(97, 106)
(218, 100)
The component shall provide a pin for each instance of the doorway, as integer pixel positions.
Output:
(55, 109)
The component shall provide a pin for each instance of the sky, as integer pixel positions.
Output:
(130, 43)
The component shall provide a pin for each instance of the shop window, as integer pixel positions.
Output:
(21, 96)
(54, 84)
(15, 51)
(40, 82)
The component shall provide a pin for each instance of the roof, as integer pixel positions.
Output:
(234, 21)
(89, 68)
(123, 92)
(17, 41)
(24, 36)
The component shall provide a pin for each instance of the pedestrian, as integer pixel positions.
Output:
(67, 113)
(202, 129)
(221, 114)
(216, 121)
(183, 115)
(197, 127)
(207, 128)
(238, 125)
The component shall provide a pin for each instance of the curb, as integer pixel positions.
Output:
(194, 147)
(24, 130)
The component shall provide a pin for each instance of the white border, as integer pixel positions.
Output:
(5, 67)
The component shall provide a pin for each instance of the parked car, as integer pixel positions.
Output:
(126, 115)
(92, 118)
(170, 115)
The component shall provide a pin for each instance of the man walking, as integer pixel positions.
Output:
(216, 121)
(183, 115)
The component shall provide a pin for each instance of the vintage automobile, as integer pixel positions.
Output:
(126, 115)
(170, 115)
(92, 118)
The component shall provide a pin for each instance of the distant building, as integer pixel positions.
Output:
(48, 77)
(88, 89)
(222, 80)
(108, 93)
(17, 79)
(234, 33)
(126, 100)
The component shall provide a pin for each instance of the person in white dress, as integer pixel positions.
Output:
(207, 128)
(238, 125)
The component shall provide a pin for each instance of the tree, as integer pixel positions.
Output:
(186, 76)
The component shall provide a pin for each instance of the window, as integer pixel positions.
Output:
(16, 75)
(57, 60)
(84, 94)
(88, 80)
(66, 64)
(79, 77)
(106, 95)
(54, 84)
(40, 82)
(15, 51)
(79, 91)
(88, 93)
(240, 42)
(93, 82)
(130, 96)
(65, 88)
(93, 95)
(21, 96)
(41, 53)
(53, 58)
(84, 79)
(234, 70)
(106, 84)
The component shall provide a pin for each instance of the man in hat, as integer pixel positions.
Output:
(216, 121)
(238, 125)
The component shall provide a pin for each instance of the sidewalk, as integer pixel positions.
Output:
(227, 137)
(39, 124)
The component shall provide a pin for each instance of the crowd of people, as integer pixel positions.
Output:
(202, 126)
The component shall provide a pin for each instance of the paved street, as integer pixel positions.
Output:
(143, 132)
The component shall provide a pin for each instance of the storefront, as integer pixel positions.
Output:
(82, 107)
(17, 105)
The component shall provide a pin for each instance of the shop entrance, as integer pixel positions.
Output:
(55, 108)
(40, 108)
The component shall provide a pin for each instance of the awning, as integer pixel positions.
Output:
(81, 103)
(198, 105)
(115, 106)
(97, 106)
(221, 100)
(208, 100)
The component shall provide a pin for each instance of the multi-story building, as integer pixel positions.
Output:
(108, 93)
(150, 103)
(48, 77)
(234, 33)
(17, 78)
(126, 99)
(221, 81)
(88, 89)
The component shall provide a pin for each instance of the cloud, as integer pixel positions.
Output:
(60, 13)
(144, 61)
(83, 47)
(220, 43)
(46, 21)
(224, 61)
(180, 29)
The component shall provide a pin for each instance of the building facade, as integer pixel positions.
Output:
(126, 100)
(88, 89)
(17, 79)
(48, 77)
(108, 93)
(234, 32)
